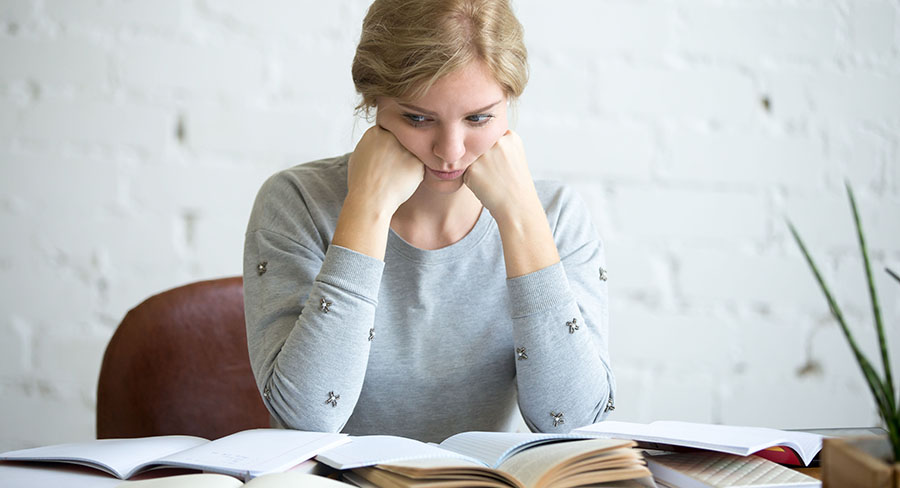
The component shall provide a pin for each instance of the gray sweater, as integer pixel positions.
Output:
(428, 343)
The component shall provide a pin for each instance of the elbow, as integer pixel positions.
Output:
(557, 422)
(293, 410)
(581, 412)
(606, 406)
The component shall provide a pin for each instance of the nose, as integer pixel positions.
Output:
(450, 145)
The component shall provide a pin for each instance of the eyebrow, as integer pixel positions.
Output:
(428, 112)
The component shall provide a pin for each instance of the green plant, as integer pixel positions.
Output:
(882, 388)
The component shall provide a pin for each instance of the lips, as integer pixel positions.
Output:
(447, 175)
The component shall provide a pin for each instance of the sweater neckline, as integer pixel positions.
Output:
(444, 254)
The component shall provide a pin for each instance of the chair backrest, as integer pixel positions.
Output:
(178, 364)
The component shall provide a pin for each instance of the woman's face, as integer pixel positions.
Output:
(460, 117)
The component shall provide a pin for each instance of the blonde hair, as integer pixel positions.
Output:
(407, 45)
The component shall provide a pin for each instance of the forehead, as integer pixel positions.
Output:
(469, 88)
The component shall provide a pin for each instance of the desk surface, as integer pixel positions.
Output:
(814, 472)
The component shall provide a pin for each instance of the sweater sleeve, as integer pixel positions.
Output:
(560, 329)
(309, 313)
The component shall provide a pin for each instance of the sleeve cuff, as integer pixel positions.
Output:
(538, 291)
(352, 271)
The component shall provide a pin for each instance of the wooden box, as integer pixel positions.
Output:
(859, 461)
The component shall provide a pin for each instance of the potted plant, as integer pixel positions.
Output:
(863, 461)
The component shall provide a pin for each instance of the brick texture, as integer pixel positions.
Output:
(134, 135)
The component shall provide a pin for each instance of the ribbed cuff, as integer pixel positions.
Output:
(352, 271)
(538, 291)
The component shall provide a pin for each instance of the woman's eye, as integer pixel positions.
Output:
(479, 119)
(415, 119)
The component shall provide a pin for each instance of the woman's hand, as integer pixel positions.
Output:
(381, 172)
(500, 178)
(381, 175)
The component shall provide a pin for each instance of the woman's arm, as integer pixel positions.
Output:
(382, 175)
(501, 180)
(558, 307)
(560, 326)
(310, 306)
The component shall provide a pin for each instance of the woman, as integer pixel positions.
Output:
(375, 293)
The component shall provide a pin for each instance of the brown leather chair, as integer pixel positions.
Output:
(178, 364)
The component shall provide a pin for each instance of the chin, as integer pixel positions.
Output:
(445, 187)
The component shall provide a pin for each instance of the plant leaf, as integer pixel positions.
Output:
(876, 386)
(894, 275)
(876, 309)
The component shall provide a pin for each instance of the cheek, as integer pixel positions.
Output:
(483, 140)
(413, 140)
(405, 134)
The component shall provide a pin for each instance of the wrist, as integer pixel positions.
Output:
(368, 206)
(519, 214)
(362, 227)
(528, 243)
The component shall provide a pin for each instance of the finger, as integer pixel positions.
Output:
(422, 172)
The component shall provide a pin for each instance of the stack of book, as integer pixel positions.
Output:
(694, 455)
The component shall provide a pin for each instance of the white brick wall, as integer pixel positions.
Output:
(134, 135)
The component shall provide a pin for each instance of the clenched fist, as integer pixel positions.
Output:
(500, 177)
(381, 172)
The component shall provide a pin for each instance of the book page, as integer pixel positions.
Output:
(542, 464)
(435, 463)
(357, 480)
(738, 440)
(204, 480)
(379, 449)
(447, 469)
(293, 480)
(118, 457)
(388, 479)
(252, 453)
(492, 448)
(716, 469)
(37, 475)
(645, 482)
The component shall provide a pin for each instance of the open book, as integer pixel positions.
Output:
(245, 455)
(741, 441)
(708, 469)
(500, 459)
(275, 480)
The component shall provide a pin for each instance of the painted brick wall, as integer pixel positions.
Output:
(135, 134)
